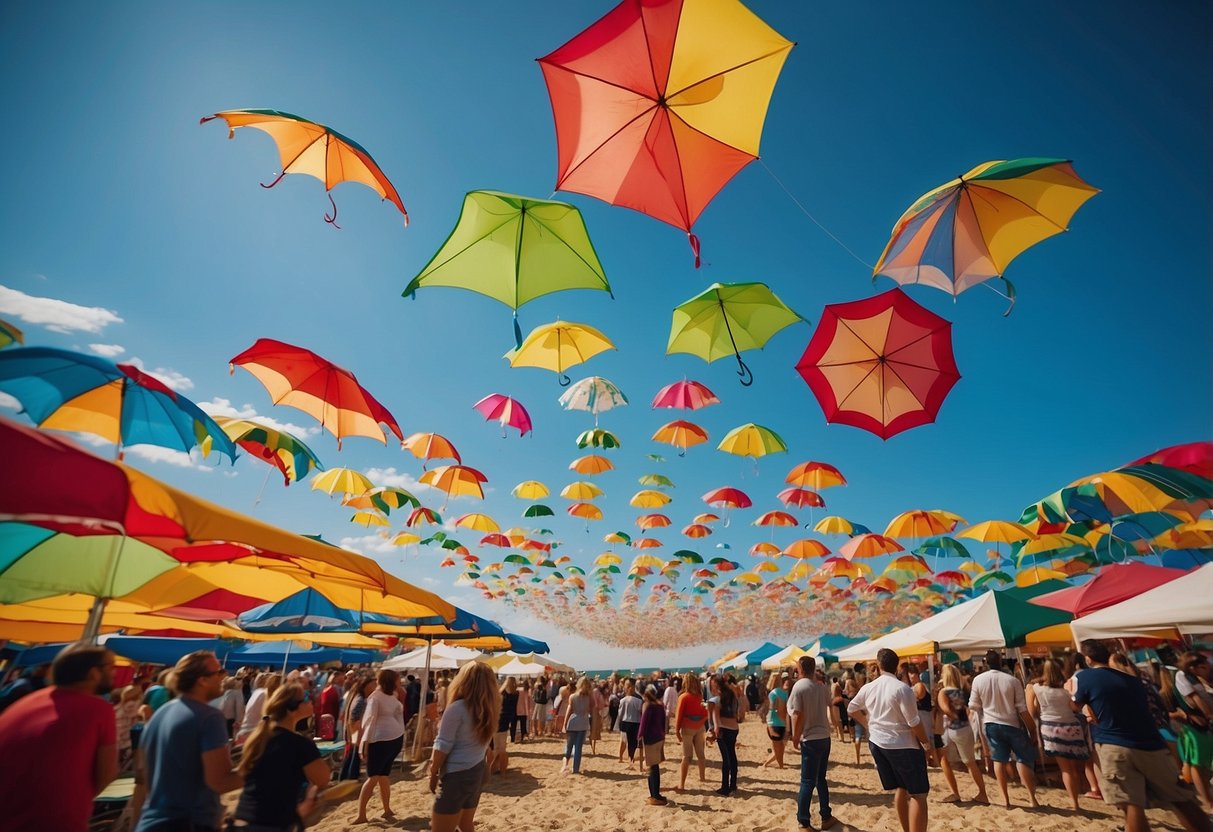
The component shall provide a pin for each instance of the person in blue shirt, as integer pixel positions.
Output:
(1135, 765)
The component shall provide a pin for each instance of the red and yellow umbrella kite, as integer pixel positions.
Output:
(883, 364)
(661, 102)
(307, 147)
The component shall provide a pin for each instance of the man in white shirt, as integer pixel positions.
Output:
(885, 707)
(809, 708)
(1009, 728)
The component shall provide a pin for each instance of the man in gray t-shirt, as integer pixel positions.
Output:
(809, 709)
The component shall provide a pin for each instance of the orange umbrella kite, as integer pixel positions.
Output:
(883, 364)
(299, 378)
(319, 151)
(661, 102)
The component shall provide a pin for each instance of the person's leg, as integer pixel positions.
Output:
(1000, 774)
(568, 751)
(778, 748)
(901, 800)
(655, 781)
(1135, 818)
(733, 762)
(364, 798)
(808, 782)
(513, 728)
(1028, 777)
(856, 744)
(467, 820)
(1200, 782)
(918, 813)
(701, 752)
(821, 751)
(980, 781)
(950, 777)
(1069, 778)
(578, 742)
(683, 768)
(385, 795)
(727, 740)
(1192, 817)
(446, 823)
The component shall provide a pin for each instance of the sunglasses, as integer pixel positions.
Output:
(219, 672)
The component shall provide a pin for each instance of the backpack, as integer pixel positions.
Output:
(540, 697)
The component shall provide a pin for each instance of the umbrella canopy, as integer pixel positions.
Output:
(120, 403)
(685, 395)
(10, 335)
(505, 411)
(456, 480)
(681, 434)
(753, 441)
(1179, 606)
(517, 667)
(968, 230)
(514, 249)
(581, 491)
(594, 394)
(591, 465)
(1113, 584)
(918, 523)
(597, 438)
(996, 531)
(800, 497)
(287, 453)
(727, 319)
(313, 149)
(342, 481)
(530, 490)
(815, 475)
(883, 364)
(559, 346)
(659, 104)
(427, 446)
(300, 378)
(1193, 457)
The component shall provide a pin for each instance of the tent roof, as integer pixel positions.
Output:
(1114, 583)
(1180, 605)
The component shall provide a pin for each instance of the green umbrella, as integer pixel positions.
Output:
(657, 481)
(515, 249)
(538, 510)
(727, 319)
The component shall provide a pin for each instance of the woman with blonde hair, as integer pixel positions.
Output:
(1061, 732)
(278, 763)
(381, 742)
(458, 767)
(959, 743)
(577, 723)
(509, 707)
(355, 709)
(690, 718)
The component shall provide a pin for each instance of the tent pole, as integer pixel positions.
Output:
(285, 658)
(92, 626)
(425, 687)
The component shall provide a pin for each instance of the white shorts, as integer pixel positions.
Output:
(543, 712)
(960, 744)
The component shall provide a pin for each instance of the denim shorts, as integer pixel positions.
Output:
(1006, 740)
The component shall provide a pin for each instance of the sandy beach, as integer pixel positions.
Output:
(534, 795)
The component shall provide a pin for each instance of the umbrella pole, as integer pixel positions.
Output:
(92, 626)
(425, 687)
(261, 491)
(286, 657)
(747, 378)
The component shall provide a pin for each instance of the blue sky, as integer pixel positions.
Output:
(116, 199)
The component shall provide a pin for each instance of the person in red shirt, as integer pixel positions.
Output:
(61, 744)
(330, 705)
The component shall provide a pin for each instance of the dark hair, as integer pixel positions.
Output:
(1095, 650)
(73, 663)
(887, 660)
(993, 660)
(807, 666)
(1187, 662)
(189, 669)
(388, 680)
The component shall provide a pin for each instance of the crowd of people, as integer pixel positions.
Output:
(1135, 736)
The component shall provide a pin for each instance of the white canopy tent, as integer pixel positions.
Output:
(515, 667)
(789, 655)
(1183, 606)
(444, 657)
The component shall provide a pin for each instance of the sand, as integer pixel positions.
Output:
(534, 795)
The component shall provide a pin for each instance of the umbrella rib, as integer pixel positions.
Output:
(859, 338)
(287, 167)
(851, 392)
(565, 243)
(1021, 202)
(479, 239)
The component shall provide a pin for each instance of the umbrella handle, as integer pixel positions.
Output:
(564, 380)
(746, 377)
(333, 219)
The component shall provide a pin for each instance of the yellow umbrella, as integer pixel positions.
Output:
(649, 498)
(581, 491)
(997, 531)
(753, 441)
(591, 465)
(806, 548)
(478, 522)
(607, 559)
(369, 518)
(559, 346)
(455, 480)
(833, 524)
(748, 578)
(1038, 574)
(972, 567)
(530, 490)
(918, 523)
(650, 561)
(341, 480)
(405, 539)
(766, 566)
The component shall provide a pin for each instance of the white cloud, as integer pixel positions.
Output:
(369, 544)
(107, 350)
(394, 479)
(8, 402)
(56, 315)
(223, 407)
(155, 453)
(172, 379)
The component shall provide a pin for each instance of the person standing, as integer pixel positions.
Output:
(777, 718)
(576, 724)
(59, 745)
(723, 709)
(669, 699)
(1134, 763)
(690, 727)
(958, 738)
(1196, 733)
(230, 703)
(1010, 730)
(329, 705)
(278, 765)
(1061, 732)
(522, 711)
(381, 742)
(629, 722)
(458, 767)
(543, 712)
(355, 710)
(886, 709)
(652, 742)
(509, 707)
(808, 706)
(184, 752)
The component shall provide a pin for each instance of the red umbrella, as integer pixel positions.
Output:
(1115, 583)
(1193, 457)
(299, 378)
(883, 364)
(508, 412)
(685, 395)
(800, 497)
(727, 498)
(661, 102)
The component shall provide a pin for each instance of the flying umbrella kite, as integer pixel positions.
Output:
(649, 498)
(883, 364)
(515, 249)
(594, 394)
(815, 475)
(727, 498)
(753, 441)
(656, 481)
(538, 510)
(591, 465)
(727, 319)
(685, 395)
(800, 497)
(681, 434)
(427, 446)
(384, 499)
(300, 378)
(506, 411)
(559, 346)
(968, 230)
(307, 147)
(64, 390)
(581, 491)
(10, 335)
(289, 455)
(456, 481)
(342, 481)
(597, 438)
(530, 490)
(659, 104)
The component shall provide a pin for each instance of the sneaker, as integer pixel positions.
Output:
(658, 801)
(829, 823)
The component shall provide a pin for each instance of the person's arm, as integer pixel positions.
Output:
(318, 772)
(1199, 705)
(368, 719)
(1021, 706)
(678, 719)
(437, 761)
(909, 712)
(1032, 702)
(217, 771)
(105, 766)
(798, 720)
(945, 704)
(856, 709)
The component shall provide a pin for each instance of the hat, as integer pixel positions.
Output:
(651, 689)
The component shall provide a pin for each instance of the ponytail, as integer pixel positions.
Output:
(284, 700)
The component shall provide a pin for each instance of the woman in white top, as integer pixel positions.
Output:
(381, 742)
(263, 687)
(1061, 732)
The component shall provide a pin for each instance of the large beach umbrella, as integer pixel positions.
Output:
(883, 364)
(514, 249)
(968, 230)
(559, 346)
(660, 103)
(316, 150)
(302, 379)
(120, 403)
(727, 319)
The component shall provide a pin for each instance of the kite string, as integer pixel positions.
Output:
(814, 219)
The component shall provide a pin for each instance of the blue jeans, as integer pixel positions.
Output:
(572, 747)
(814, 756)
